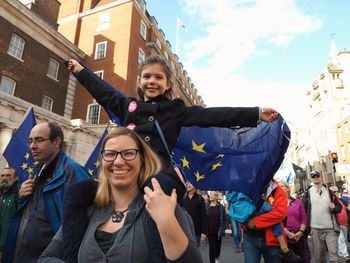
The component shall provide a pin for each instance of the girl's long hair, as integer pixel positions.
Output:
(150, 165)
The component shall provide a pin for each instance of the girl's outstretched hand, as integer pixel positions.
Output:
(159, 205)
(268, 114)
(74, 66)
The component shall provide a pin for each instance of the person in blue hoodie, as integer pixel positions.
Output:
(40, 210)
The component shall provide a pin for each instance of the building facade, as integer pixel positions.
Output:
(117, 36)
(32, 73)
(328, 132)
(110, 37)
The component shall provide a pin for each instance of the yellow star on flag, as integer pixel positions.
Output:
(216, 166)
(199, 176)
(36, 163)
(198, 148)
(185, 163)
(220, 155)
(91, 172)
(26, 156)
(97, 164)
(24, 166)
(30, 170)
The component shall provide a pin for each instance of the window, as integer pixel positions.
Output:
(159, 44)
(339, 132)
(99, 74)
(52, 71)
(93, 113)
(141, 57)
(47, 103)
(103, 22)
(166, 55)
(342, 151)
(100, 51)
(7, 85)
(142, 4)
(143, 30)
(16, 47)
(346, 126)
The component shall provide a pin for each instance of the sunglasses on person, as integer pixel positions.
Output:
(315, 175)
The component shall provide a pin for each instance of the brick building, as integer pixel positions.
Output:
(117, 35)
(32, 55)
(32, 73)
(110, 37)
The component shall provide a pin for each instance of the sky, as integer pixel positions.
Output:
(255, 52)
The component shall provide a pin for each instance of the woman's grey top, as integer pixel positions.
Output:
(130, 245)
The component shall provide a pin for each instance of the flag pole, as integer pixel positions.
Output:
(177, 36)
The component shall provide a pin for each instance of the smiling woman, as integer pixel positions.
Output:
(117, 227)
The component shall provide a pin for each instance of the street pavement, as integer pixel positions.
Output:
(228, 254)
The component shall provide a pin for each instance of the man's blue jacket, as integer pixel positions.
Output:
(67, 172)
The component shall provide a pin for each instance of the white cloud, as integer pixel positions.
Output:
(238, 30)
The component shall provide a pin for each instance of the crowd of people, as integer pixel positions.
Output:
(138, 208)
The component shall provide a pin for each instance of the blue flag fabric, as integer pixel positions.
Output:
(243, 160)
(92, 165)
(17, 152)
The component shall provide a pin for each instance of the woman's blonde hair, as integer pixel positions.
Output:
(150, 165)
(156, 59)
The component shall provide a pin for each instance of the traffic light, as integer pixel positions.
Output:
(334, 157)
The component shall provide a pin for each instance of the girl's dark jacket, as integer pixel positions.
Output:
(171, 114)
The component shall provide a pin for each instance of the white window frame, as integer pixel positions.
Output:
(97, 50)
(143, 30)
(346, 127)
(142, 5)
(104, 22)
(89, 118)
(342, 152)
(166, 55)
(99, 73)
(16, 47)
(7, 89)
(53, 68)
(47, 103)
(141, 56)
(159, 44)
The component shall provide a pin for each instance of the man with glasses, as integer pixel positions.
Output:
(321, 207)
(41, 209)
(8, 201)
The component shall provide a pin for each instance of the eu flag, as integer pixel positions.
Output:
(242, 160)
(92, 165)
(17, 152)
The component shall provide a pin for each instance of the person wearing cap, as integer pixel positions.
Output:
(321, 206)
(343, 220)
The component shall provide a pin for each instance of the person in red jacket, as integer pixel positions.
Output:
(258, 237)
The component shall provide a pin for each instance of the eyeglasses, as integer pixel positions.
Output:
(37, 141)
(315, 175)
(111, 155)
